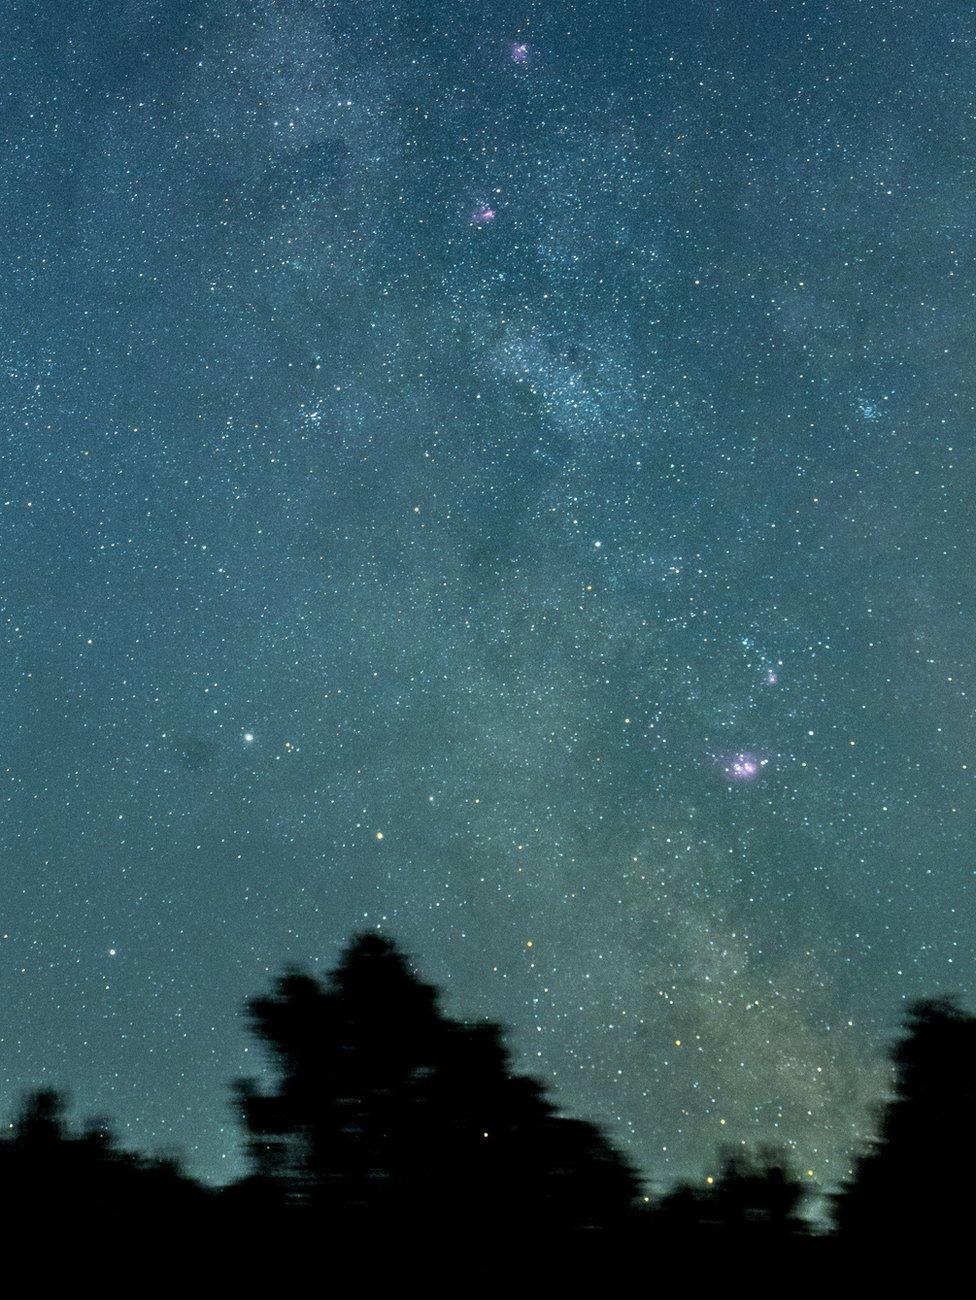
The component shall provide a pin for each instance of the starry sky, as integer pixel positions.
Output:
(503, 475)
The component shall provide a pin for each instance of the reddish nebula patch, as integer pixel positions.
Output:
(742, 767)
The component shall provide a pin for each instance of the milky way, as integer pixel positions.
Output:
(503, 477)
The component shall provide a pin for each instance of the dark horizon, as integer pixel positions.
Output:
(816, 1197)
(379, 1117)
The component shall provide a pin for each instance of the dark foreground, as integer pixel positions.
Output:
(403, 1139)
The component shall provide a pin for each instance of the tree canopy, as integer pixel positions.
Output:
(386, 1107)
(382, 1116)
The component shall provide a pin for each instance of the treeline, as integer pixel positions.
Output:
(386, 1119)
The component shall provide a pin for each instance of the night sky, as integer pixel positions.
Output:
(503, 476)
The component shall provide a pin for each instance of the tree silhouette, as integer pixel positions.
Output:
(916, 1181)
(48, 1171)
(388, 1111)
(754, 1200)
(386, 1121)
(759, 1195)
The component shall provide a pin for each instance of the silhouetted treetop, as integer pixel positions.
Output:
(384, 1106)
(755, 1198)
(47, 1168)
(917, 1177)
(385, 1120)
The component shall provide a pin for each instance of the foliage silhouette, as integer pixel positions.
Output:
(47, 1170)
(916, 1180)
(387, 1110)
(384, 1118)
(754, 1201)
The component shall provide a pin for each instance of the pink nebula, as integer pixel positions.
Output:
(742, 767)
(519, 52)
(482, 215)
